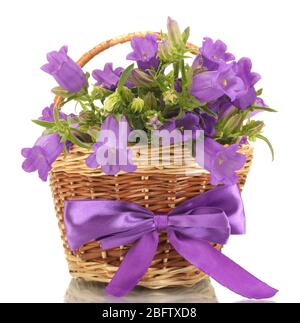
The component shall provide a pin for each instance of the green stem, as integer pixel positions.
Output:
(183, 74)
(176, 71)
(92, 105)
(83, 106)
(159, 69)
(67, 100)
(244, 116)
(267, 141)
(56, 118)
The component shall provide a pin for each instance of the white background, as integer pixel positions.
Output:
(32, 265)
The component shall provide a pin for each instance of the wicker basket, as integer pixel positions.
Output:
(159, 188)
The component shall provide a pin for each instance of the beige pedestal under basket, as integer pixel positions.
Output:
(159, 188)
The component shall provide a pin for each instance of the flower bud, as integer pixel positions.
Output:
(150, 100)
(233, 122)
(87, 116)
(141, 79)
(170, 97)
(137, 105)
(174, 33)
(165, 51)
(100, 93)
(126, 95)
(61, 92)
(111, 102)
(254, 128)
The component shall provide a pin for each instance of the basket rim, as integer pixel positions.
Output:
(74, 162)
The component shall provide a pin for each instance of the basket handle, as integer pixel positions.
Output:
(85, 58)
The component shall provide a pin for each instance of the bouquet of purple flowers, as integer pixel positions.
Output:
(162, 90)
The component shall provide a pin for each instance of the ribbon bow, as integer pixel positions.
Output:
(191, 226)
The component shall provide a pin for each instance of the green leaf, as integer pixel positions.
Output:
(189, 78)
(124, 77)
(252, 108)
(56, 117)
(62, 92)
(186, 35)
(259, 92)
(252, 128)
(267, 141)
(44, 124)
(233, 124)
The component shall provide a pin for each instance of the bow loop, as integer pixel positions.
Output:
(210, 224)
(112, 222)
(225, 198)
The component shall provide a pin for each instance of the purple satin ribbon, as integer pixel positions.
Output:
(209, 217)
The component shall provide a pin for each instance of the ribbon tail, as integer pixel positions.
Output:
(133, 267)
(225, 271)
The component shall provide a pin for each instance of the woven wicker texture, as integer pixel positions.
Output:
(159, 187)
(156, 188)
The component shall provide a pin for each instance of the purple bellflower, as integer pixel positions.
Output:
(211, 85)
(109, 77)
(221, 106)
(212, 55)
(243, 70)
(222, 162)
(48, 114)
(205, 87)
(207, 124)
(65, 71)
(189, 121)
(192, 121)
(41, 156)
(116, 149)
(144, 52)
